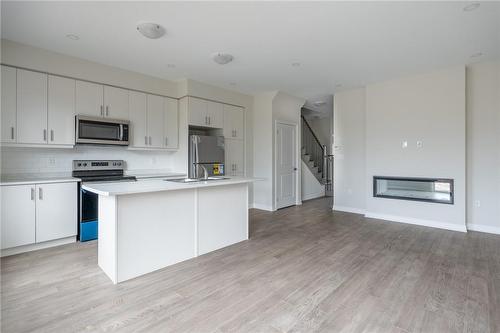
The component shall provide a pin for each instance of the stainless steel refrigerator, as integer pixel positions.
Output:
(208, 152)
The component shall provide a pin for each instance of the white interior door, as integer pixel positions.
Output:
(286, 168)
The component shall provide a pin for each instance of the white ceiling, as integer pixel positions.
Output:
(347, 43)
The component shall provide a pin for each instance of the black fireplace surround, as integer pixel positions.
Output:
(435, 190)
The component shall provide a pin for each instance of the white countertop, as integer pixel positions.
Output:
(154, 173)
(37, 178)
(157, 185)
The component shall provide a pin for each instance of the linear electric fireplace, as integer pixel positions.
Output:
(437, 190)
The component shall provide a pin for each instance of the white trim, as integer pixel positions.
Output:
(422, 222)
(37, 246)
(346, 209)
(483, 228)
(262, 207)
(313, 195)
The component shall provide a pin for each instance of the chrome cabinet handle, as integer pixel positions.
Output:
(107, 110)
(145, 140)
(44, 135)
(40, 193)
(51, 135)
(12, 132)
(206, 120)
(210, 120)
(32, 193)
(166, 141)
(102, 111)
(150, 141)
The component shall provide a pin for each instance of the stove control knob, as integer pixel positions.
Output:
(119, 163)
(84, 164)
(79, 164)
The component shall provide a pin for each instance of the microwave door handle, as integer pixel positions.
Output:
(121, 132)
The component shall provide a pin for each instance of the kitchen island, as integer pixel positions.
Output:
(148, 225)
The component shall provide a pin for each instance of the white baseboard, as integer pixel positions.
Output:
(484, 228)
(38, 246)
(349, 209)
(262, 207)
(313, 195)
(422, 222)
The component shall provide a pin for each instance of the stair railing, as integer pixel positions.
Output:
(313, 147)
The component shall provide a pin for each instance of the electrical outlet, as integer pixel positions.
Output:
(420, 144)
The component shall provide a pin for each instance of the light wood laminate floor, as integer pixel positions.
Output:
(305, 269)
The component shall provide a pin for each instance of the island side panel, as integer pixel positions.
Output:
(106, 244)
(222, 216)
(155, 230)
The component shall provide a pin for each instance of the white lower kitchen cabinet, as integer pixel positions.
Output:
(55, 211)
(38, 213)
(18, 215)
(235, 157)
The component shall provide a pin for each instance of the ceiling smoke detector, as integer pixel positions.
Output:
(151, 30)
(222, 58)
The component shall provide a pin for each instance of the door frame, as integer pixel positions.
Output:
(298, 200)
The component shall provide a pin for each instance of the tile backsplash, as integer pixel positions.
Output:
(38, 160)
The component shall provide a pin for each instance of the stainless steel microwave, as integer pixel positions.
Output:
(104, 131)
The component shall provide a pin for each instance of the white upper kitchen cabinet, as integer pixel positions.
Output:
(138, 120)
(235, 157)
(155, 121)
(116, 103)
(89, 99)
(215, 114)
(8, 117)
(233, 122)
(57, 223)
(197, 112)
(31, 107)
(61, 111)
(171, 123)
(18, 215)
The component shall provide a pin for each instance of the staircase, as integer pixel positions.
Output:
(315, 156)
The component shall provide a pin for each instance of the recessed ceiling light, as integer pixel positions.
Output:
(151, 30)
(222, 58)
(319, 103)
(472, 6)
(72, 37)
(295, 64)
(476, 55)
(171, 65)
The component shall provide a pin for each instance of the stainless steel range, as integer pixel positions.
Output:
(94, 171)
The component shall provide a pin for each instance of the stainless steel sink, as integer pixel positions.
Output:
(194, 180)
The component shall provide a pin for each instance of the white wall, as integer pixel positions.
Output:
(263, 150)
(268, 108)
(483, 147)
(349, 151)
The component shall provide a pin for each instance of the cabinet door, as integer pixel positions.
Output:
(52, 223)
(137, 116)
(215, 113)
(235, 157)
(89, 99)
(61, 111)
(197, 110)
(233, 122)
(8, 104)
(155, 121)
(115, 103)
(171, 125)
(31, 107)
(18, 215)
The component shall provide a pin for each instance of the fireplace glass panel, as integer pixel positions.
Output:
(420, 189)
